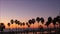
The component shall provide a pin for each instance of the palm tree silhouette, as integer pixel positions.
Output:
(12, 21)
(58, 20)
(42, 20)
(30, 21)
(27, 24)
(38, 20)
(23, 23)
(9, 25)
(19, 22)
(2, 26)
(16, 22)
(54, 21)
(49, 22)
(28, 27)
(33, 21)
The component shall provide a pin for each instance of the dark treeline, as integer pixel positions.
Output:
(32, 21)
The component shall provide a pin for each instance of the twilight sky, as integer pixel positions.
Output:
(24, 10)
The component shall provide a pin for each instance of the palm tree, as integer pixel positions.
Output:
(54, 21)
(27, 24)
(12, 21)
(19, 22)
(9, 25)
(16, 22)
(33, 21)
(28, 27)
(23, 25)
(49, 22)
(2, 26)
(30, 21)
(58, 20)
(38, 20)
(42, 21)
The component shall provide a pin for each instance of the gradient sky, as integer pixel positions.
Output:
(24, 10)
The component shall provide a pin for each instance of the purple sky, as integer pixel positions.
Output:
(24, 10)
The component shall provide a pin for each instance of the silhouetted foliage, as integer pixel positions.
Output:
(23, 23)
(49, 21)
(33, 20)
(16, 21)
(38, 19)
(2, 26)
(58, 19)
(20, 24)
(42, 20)
(12, 21)
(8, 24)
(30, 21)
(54, 21)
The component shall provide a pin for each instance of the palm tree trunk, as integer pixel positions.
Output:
(16, 29)
(33, 28)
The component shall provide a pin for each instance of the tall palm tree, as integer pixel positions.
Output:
(58, 20)
(49, 22)
(54, 21)
(9, 25)
(28, 27)
(30, 22)
(2, 26)
(23, 25)
(42, 21)
(38, 20)
(12, 21)
(33, 21)
(16, 22)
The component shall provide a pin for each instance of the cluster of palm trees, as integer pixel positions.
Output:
(32, 21)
